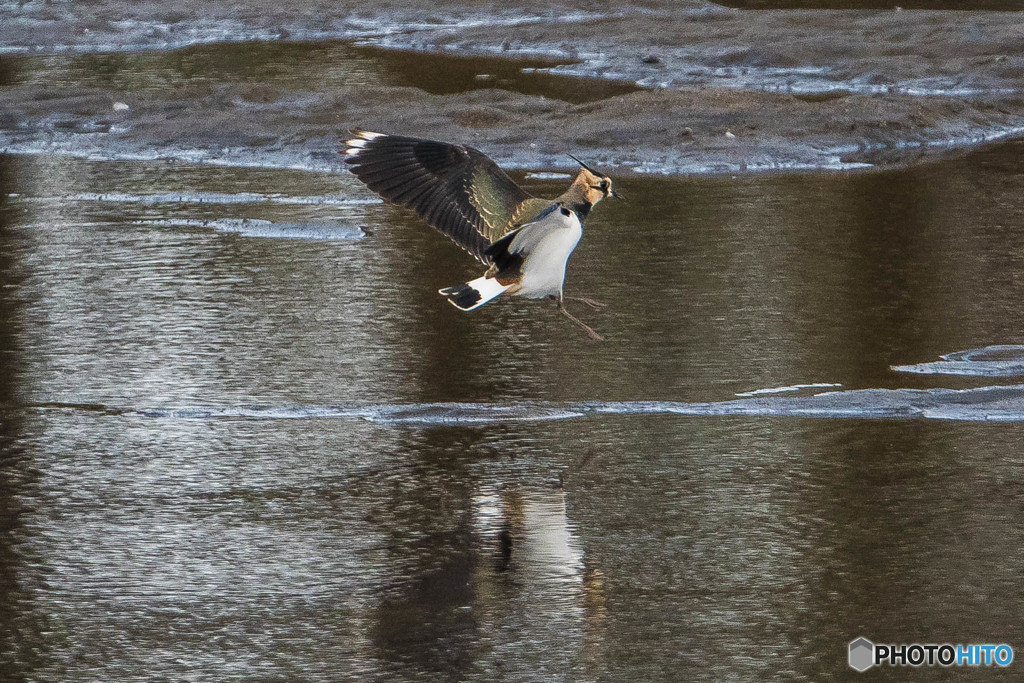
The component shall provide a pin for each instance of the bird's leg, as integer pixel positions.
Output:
(586, 328)
(588, 301)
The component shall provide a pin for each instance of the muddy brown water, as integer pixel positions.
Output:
(273, 68)
(179, 502)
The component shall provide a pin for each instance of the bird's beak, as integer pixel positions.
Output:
(616, 195)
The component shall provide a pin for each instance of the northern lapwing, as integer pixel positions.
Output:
(526, 241)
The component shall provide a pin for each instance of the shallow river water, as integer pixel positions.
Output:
(242, 437)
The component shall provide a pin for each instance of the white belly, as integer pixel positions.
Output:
(544, 269)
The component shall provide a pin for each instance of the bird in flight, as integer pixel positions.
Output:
(524, 240)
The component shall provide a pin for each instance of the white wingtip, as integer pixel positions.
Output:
(355, 145)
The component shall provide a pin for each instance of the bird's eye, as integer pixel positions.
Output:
(604, 186)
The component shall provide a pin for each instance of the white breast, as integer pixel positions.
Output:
(544, 266)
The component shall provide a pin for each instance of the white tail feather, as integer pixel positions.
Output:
(474, 293)
(489, 289)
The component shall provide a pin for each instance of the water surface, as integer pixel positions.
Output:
(226, 542)
(270, 69)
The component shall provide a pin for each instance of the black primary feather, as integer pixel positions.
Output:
(454, 188)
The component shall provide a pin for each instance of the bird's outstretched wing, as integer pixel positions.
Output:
(454, 188)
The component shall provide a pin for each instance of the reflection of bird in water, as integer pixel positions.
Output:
(526, 241)
(538, 571)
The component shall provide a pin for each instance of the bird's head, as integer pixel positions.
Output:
(595, 186)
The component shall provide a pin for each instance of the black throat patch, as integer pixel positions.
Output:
(582, 210)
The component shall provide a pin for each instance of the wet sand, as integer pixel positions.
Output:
(721, 90)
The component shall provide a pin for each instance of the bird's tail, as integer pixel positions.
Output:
(474, 294)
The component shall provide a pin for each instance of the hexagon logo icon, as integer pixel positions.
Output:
(862, 654)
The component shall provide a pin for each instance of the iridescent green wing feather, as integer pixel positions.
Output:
(500, 209)
(454, 188)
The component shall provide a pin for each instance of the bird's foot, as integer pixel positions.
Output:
(586, 328)
(593, 303)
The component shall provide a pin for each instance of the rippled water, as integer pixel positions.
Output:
(243, 437)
